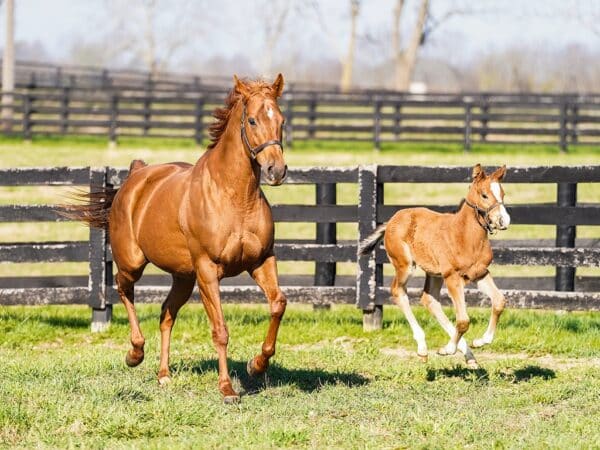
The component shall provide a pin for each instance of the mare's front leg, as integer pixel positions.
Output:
(456, 290)
(208, 282)
(488, 287)
(266, 278)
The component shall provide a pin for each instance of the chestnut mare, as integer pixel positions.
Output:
(449, 247)
(202, 223)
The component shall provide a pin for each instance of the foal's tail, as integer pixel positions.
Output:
(369, 243)
(93, 208)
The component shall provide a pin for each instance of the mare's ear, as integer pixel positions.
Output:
(240, 87)
(477, 172)
(277, 86)
(499, 174)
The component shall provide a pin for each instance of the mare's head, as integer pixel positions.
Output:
(487, 197)
(262, 126)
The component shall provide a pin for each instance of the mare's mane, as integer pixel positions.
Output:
(223, 114)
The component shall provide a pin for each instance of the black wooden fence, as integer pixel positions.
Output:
(370, 116)
(367, 290)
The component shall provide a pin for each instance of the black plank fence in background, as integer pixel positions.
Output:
(366, 290)
(376, 117)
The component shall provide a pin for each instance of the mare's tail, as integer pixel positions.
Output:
(369, 243)
(94, 207)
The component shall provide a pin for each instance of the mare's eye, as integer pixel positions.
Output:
(251, 121)
(484, 195)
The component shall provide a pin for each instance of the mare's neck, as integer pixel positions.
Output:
(229, 162)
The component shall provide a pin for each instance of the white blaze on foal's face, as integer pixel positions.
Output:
(503, 221)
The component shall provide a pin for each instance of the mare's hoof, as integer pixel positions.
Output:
(423, 358)
(134, 358)
(472, 364)
(163, 381)
(251, 369)
(231, 399)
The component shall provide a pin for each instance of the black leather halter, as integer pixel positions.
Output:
(484, 214)
(259, 148)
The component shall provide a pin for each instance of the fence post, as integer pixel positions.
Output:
(312, 116)
(485, 110)
(566, 195)
(326, 234)
(574, 120)
(563, 126)
(112, 128)
(398, 120)
(198, 122)
(64, 111)
(27, 101)
(100, 268)
(467, 137)
(289, 116)
(377, 124)
(367, 275)
(147, 110)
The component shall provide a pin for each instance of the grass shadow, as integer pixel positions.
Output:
(458, 372)
(307, 380)
(528, 373)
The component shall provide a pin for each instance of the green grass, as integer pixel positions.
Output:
(330, 385)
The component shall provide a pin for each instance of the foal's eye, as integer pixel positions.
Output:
(484, 195)
(251, 121)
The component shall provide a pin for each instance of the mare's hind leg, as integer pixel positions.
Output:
(180, 292)
(125, 283)
(403, 265)
(266, 278)
(488, 287)
(429, 299)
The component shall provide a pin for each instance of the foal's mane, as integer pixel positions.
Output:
(223, 114)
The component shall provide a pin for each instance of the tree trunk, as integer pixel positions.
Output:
(405, 59)
(346, 81)
(8, 67)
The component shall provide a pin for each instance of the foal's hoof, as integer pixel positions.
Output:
(163, 381)
(252, 370)
(423, 358)
(480, 342)
(445, 351)
(472, 364)
(134, 358)
(231, 399)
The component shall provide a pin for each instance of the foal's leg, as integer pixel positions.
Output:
(488, 287)
(456, 291)
(181, 289)
(399, 297)
(266, 277)
(429, 299)
(208, 282)
(125, 282)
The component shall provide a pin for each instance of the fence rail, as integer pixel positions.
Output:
(367, 290)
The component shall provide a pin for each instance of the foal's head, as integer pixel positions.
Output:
(262, 126)
(486, 196)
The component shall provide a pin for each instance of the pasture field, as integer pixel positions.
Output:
(330, 384)
(90, 151)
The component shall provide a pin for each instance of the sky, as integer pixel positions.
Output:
(499, 24)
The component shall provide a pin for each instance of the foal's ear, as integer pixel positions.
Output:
(240, 87)
(277, 86)
(499, 174)
(478, 172)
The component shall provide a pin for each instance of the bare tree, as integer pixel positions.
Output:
(348, 63)
(405, 58)
(273, 24)
(8, 67)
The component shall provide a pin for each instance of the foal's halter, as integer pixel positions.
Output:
(259, 148)
(484, 214)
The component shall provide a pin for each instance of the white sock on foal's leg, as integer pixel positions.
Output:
(418, 333)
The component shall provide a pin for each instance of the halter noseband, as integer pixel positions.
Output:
(259, 148)
(484, 214)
